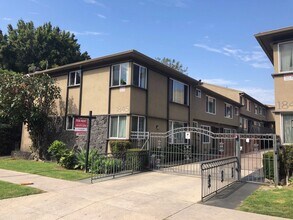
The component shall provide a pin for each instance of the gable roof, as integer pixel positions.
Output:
(225, 90)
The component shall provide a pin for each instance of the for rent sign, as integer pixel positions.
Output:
(80, 126)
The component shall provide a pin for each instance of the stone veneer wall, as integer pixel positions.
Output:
(99, 135)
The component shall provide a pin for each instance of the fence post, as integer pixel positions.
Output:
(276, 157)
(88, 141)
(238, 155)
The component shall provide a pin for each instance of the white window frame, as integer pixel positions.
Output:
(183, 92)
(248, 107)
(120, 68)
(256, 109)
(227, 130)
(139, 76)
(144, 123)
(171, 139)
(204, 135)
(231, 106)
(207, 110)
(69, 78)
(67, 120)
(195, 124)
(198, 93)
(236, 111)
(279, 57)
(118, 124)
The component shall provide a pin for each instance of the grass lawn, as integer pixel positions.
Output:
(49, 169)
(274, 202)
(10, 190)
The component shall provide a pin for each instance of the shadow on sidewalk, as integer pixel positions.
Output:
(232, 196)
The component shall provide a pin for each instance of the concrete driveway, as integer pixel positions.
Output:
(149, 195)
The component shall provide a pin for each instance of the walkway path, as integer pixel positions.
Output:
(143, 196)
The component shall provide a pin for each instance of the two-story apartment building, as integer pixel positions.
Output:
(278, 45)
(253, 115)
(130, 91)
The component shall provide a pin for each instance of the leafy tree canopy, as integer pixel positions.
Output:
(29, 99)
(27, 48)
(173, 64)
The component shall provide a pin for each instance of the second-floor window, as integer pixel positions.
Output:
(256, 109)
(179, 92)
(139, 76)
(236, 111)
(286, 57)
(198, 93)
(210, 105)
(119, 74)
(74, 78)
(248, 105)
(228, 111)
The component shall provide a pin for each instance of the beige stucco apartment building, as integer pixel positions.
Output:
(131, 92)
(254, 116)
(278, 45)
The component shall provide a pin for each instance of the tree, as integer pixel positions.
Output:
(27, 49)
(29, 100)
(173, 64)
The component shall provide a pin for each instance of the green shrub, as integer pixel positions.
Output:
(106, 165)
(136, 159)
(68, 160)
(268, 165)
(81, 158)
(112, 165)
(286, 162)
(119, 147)
(57, 149)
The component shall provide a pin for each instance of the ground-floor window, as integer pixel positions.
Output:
(195, 124)
(138, 124)
(288, 128)
(118, 127)
(205, 138)
(178, 136)
(227, 130)
(70, 123)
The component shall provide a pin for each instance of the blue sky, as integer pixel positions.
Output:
(214, 39)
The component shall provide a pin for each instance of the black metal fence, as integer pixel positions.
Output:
(112, 165)
(218, 174)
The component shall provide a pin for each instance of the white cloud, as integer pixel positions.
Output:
(6, 19)
(220, 82)
(87, 33)
(172, 3)
(101, 16)
(256, 58)
(265, 96)
(95, 2)
(206, 47)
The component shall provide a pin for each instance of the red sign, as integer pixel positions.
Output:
(80, 126)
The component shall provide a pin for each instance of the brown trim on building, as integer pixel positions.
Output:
(80, 90)
(168, 102)
(66, 100)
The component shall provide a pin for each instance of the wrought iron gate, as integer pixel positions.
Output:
(182, 150)
(258, 156)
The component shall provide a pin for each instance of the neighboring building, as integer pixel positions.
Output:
(253, 115)
(130, 91)
(278, 45)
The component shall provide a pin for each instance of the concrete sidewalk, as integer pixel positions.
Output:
(143, 196)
